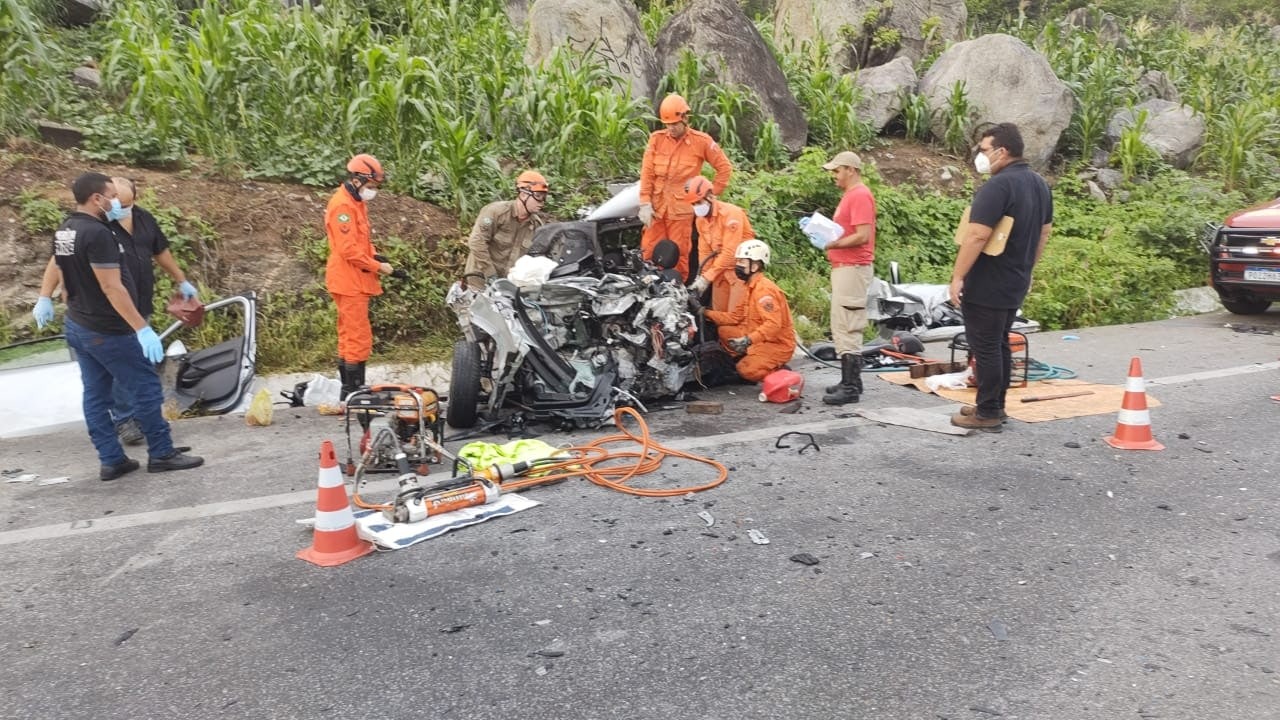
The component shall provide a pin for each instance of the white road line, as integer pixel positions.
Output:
(230, 507)
(1214, 374)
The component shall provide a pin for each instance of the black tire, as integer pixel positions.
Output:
(464, 385)
(1245, 305)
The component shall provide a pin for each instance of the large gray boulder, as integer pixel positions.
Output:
(731, 48)
(883, 88)
(919, 24)
(609, 29)
(1175, 131)
(1006, 81)
(1156, 84)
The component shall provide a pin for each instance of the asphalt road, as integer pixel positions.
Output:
(1033, 574)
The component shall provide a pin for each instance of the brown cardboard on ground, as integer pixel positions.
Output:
(1105, 398)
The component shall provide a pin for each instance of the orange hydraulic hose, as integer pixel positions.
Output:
(588, 461)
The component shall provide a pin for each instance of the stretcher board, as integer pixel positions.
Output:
(373, 526)
(1105, 398)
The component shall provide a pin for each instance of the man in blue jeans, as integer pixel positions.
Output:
(143, 242)
(989, 289)
(113, 343)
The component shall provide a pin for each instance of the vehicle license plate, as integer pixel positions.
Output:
(1262, 274)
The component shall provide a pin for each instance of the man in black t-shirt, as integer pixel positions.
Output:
(112, 341)
(990, 288)
(142, 242)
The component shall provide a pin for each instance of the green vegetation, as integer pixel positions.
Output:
(440, 91)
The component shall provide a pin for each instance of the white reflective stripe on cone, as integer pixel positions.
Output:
(1135, 384)
(1134, 417)
(329, 520)
(330, 477)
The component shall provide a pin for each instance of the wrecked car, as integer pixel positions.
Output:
(600, 328)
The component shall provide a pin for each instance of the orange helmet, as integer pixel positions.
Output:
(531, 180)
(673, 109)
(366, 166)
(696, 189)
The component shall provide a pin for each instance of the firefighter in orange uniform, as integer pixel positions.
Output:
(674, 155)
(351, 273)
(758, 330)
(721, 228)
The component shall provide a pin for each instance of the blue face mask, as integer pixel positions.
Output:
(115, 212)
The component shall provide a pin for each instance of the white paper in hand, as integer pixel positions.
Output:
(821, 230)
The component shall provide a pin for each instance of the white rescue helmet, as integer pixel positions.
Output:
(754, 250)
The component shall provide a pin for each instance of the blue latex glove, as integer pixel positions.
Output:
(150, 343)
(43, 312)
(740, 345)
(188, 290)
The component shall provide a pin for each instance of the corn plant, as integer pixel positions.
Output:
(23, 54)
(916, 115)
(657, 14)
(1133, 155)
(1099, 89)
(1237, 134)
(956, 117)
(769, 152)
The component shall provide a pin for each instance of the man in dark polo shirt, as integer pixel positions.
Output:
(990, 288)
(112, 341)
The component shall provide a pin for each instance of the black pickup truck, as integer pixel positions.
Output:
(1244, 258)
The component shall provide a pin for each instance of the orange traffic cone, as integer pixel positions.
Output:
(335, 540)
(1133, 426)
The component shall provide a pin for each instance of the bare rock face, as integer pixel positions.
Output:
(918, 24)
(883, 88)
(1175, 131)
(1155, 84)
(518, 13)
(76, 13)
(87, 76)
(1106, 25)
(719, 33)
(609, 29)
(1006, 81)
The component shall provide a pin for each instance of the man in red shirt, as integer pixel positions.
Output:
(851, 258)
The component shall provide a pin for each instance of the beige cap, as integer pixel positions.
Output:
(844, 159)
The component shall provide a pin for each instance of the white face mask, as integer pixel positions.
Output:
(982, 164)
(368, 194)
(702, 209)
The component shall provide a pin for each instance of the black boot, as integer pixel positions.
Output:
(850, 388)
(833, 389)
(346, 374)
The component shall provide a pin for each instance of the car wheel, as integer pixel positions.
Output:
(1246, 305)
(464, 385)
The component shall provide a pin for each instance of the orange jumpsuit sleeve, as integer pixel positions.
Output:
(771, 309)
(736, 316)
(715, 155)
(349, 239)
(732, 232)
(647, 175)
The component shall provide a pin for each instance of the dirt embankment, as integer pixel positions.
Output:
(259, 226)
